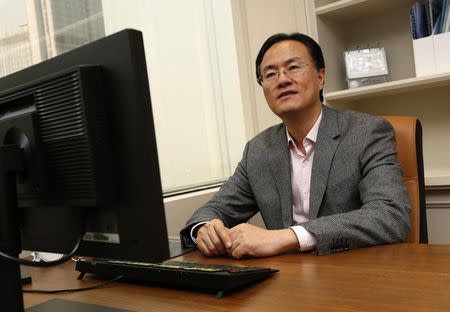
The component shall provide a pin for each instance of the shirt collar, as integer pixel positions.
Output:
(312, 134)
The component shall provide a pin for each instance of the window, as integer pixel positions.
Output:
(191, 62)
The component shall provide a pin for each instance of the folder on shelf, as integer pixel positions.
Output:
(434, 9)
(446, 18)
(430, 18)
(440, 23)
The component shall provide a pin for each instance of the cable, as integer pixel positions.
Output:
(41, 291)
(50, 263)
(43, 263)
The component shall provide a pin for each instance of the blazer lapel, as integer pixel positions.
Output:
(326, 145)
(280, 166)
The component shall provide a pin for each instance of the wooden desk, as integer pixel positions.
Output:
(401, 277)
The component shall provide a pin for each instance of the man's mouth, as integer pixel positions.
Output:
(286, 93)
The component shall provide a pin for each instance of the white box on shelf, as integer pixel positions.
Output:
(424, 56)
(432, 54)
(365, 67)
(442, 52)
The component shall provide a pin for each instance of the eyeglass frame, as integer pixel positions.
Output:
(285, 71)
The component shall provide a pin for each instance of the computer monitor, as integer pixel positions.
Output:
(77, 134)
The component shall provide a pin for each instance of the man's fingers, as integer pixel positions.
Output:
(237, 251)
(224, 236)
(220, 235)
(202, 247)
(208, 244)
(209, 235)
(216, 241)
(205, 237)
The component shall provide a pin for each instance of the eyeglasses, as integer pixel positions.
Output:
(272, 75)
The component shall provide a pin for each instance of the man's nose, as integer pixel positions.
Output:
(283, 79)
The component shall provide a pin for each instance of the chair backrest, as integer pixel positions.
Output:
(408, 132)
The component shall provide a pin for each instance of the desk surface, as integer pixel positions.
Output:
(409, 277)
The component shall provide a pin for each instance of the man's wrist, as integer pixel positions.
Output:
(194, 229)
(306, 240)
(290, 242)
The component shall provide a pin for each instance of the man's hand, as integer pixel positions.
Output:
(250, 240)
(213, 238)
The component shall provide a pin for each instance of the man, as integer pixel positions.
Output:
(323, 180)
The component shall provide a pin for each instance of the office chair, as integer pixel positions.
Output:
(408, 132)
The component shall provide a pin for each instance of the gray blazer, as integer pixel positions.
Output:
(357, 195)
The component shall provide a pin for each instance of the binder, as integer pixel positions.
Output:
(419, 21)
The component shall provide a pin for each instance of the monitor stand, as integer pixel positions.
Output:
(25, 274)
(177, 249)
(11, 163)
(60, 305)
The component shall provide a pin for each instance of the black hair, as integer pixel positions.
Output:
(313, 48)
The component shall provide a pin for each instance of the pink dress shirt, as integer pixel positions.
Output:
(301, 184)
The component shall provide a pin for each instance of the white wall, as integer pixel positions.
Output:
(219, 41)
(194, 84)
(253, 21)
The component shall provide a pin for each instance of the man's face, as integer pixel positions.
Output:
(298, 83)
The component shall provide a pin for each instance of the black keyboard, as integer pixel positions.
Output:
(172, 273)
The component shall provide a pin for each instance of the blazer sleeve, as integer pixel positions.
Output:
(384, 214)
(234, 203)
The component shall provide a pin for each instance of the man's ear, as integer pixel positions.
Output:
(321, 77)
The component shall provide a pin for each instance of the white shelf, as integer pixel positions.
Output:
(340, 25)
(388, 88)
(436, 178)
(443, 181)
(346, 10)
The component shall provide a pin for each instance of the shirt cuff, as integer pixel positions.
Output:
(306, 239)
(193, 231)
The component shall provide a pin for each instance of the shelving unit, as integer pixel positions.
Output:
(438, 179)
(393, 87)
(352, 24)
(347, 10)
